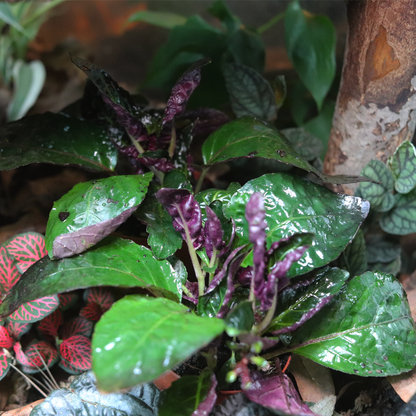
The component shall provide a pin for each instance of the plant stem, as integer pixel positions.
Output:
(201, 180)
(268, 318)
(194, 258)
(186, 291)
(270, 23)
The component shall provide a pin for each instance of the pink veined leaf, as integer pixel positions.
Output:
(100, 296)
(35, 310)
(4, 364)
(49, 325)
(17, 329)
(76, 351)
(92, 312)
(27, 249)
(66, 300)
(30, 358)
(77, 326)
(69, 368)
(6, 341)
(9, 274)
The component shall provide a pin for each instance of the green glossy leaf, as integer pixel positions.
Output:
(28, 80)
(378, 194)
(367, 329)
(294, 304)
(310, 43)
(163, 19)
(354, 258)
(163, 239)
(295, 205)
(82, 398)
(140, 338)
(403, 167)
(57, 139)
(250, 94)
(401, 220)
(210, 304)
(305, 144)
(240, 318)
(112, 262)
(249, 137)
(382, 248)
(183, 397)
(91, 211)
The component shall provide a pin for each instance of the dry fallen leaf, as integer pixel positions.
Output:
(404, 384)
(314, 381)
(22, 411)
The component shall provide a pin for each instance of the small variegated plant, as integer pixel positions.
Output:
(234, 278)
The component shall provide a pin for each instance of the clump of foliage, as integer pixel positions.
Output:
(261, 281)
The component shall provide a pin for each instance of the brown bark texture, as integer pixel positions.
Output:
(376, 103)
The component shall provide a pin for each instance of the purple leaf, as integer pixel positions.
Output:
(213, 232)
(255, 215)
(222, 273)
(276, 392)
(244, 276)
(67, 245)
(308, 315)
(193, 289)
(235, 264)
(182, 91)
(185, 212)
(276, 279)
(207, 120)
(205, 407)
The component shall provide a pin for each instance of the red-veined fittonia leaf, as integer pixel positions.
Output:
(77, 326)
(76, 350)
(66, 300)
(9, 274)
(35, 310)
(6, 341)
(27, 249)
(30, 358)
(100, 296)
(69, 368)
(4, 364)
(49, 325)
(92, 312)
(17, 329)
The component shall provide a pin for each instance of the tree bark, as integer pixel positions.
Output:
(376, 103)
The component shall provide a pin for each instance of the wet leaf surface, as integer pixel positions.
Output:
(57, 139)
(295, 205)
(91, 211)
(251, 137)
(366, 330)
(113, 262)
(295, 305)
(140, 338)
